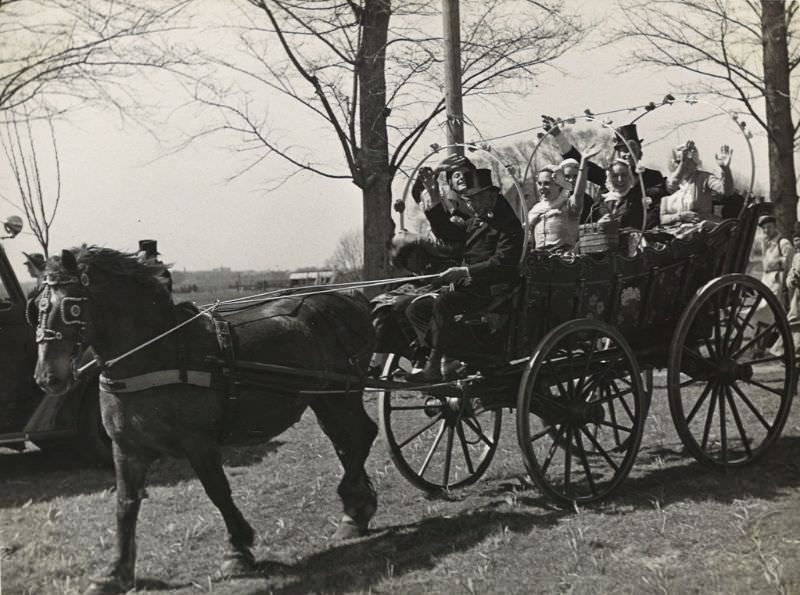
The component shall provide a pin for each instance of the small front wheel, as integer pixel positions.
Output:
(437, 443)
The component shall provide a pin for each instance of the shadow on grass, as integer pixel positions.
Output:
(41, 476)
(358, 565)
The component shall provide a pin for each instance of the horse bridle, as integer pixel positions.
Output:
(72, 310)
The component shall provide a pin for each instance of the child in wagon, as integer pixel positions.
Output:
(555, 218)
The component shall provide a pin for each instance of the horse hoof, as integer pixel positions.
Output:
(107, 587)
(349, 529)
(236, 563)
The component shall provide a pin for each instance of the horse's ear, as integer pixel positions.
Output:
(68, 260)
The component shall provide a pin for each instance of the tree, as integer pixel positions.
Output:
(369, 71)
(348, 257)
(39, 202)
(741, 51)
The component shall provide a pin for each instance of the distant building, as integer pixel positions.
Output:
(311, 278)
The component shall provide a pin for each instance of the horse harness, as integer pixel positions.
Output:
(227, 373)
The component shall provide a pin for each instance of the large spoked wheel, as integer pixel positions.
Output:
(580, 412)
(437, 443)
(731, 373)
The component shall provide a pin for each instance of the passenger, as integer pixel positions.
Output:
(555, 218)
(622, 201)
(691, 202)
(148, 250)
(35, 263)
(493, 237)
(654, 182)
(570, 168)
(455, 167)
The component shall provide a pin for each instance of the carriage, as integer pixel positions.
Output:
(572, 350)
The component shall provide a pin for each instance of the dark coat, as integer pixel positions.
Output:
(654, 184)
(492, 247)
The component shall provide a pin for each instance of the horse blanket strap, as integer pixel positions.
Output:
(225, 339)
(154, 379)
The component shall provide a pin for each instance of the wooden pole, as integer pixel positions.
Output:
(452, 74)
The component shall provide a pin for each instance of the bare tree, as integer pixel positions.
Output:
(66, 53)
(348, 256)
(370, 71)
(743, 51)
(29, 170)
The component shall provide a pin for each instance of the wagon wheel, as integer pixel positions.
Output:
(437, 443)
(731, 375)
(580, 412)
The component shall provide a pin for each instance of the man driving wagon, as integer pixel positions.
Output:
(493, 240)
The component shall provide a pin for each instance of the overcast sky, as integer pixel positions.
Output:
(117, 186)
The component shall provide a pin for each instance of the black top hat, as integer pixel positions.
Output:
(796, 230)
(478, 180)
(627, 132)
(149, 247)
(454, 163)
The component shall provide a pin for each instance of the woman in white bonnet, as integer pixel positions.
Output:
(555, 218)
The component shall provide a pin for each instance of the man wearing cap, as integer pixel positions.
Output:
(148, 251)
(627, 146)
(35, 264)
(493, 239)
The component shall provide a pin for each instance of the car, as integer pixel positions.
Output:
(70, 421)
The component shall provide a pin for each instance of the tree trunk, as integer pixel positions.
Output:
(373, 158)
(779, 115)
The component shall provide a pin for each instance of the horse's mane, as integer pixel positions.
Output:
(125, 264)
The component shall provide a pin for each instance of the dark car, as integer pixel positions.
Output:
(70, 421)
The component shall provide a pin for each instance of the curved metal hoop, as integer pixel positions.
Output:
(619, 137)
(521, 211)
(691, 100)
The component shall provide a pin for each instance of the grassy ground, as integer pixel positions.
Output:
(673, 527)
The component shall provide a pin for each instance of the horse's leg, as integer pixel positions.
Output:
(352, 432)
(131, 470)
(207, 463)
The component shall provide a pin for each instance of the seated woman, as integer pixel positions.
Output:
(555, 218)
(690, 206)
(620, 202)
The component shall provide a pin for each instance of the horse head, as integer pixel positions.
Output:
(82, 291)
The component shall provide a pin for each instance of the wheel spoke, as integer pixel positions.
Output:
(753, 340)
(478, 431)
(553, 447)
(734, 302)
(723, 430)
(433, 448)
(417, 433)
(465, 448)
(738, 420)
(417, 407)
(756, 412)
(774, 391)
(568, 460)
(599, 377)
(448, 457)
(710, 416)
(699, 401)
(600, 449)
(585, 462)
(613, 425)
(592, 345)
(613, 414)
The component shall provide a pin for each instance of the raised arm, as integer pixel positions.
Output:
(594, 173)
(722, 183)
(576, 200)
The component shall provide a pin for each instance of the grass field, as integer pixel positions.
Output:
(673, 526)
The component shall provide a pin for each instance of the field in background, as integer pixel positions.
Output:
(672, 527)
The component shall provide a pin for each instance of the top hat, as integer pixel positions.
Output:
(35, 259)
(764, 219)
(627, 132)
(478, 180)
(454, 163)
(796, 230)
(149, 247)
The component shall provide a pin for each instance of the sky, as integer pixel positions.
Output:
(120, 185)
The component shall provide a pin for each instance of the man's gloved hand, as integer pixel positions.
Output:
(452, 275)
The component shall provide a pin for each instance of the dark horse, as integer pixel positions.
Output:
(186, 394)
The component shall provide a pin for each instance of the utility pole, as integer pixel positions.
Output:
(452, 74)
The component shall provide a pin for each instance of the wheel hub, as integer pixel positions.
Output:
(729, 370)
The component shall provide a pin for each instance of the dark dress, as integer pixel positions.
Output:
(654, 184)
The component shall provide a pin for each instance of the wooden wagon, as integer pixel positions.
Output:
(572, 352)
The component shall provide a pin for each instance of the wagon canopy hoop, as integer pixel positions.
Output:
(689, 99)
(520, 208)
(592, 118)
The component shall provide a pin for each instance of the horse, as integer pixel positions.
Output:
(241, 376)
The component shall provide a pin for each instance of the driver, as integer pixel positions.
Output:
(493, 238)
